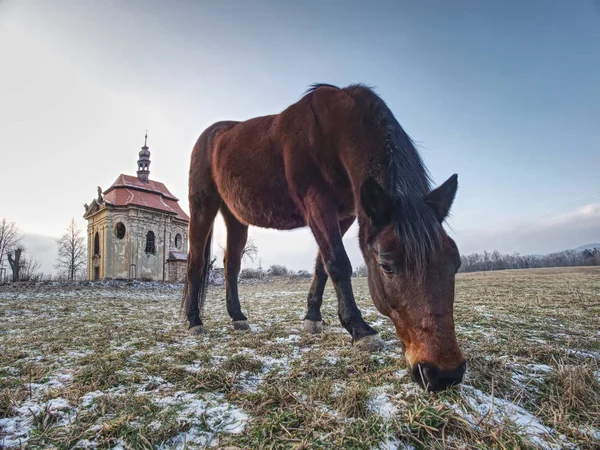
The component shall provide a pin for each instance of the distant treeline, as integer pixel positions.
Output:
(477, 262)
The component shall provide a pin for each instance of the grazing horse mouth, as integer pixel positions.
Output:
(433, 379)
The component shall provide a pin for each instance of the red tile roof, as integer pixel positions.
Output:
(129, 190)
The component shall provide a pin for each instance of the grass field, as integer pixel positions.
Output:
(110, 365)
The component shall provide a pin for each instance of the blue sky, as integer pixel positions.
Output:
(506, 94)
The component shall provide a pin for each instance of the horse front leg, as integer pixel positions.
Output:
(326, 228)
(313, 322)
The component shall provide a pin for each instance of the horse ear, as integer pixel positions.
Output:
(441, 198)
(375, 202)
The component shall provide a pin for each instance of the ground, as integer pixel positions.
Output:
(110, 365)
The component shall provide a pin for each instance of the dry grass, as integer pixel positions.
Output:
(110, 365)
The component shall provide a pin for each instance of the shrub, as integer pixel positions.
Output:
(361, 271)
(277, 270)
(257, 274)
(301, 274)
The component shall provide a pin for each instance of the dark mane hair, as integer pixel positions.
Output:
(408, 182)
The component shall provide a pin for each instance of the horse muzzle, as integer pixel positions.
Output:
(433, 379)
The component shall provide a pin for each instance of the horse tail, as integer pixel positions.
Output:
(204, 198)
(205, 273)
(194, 292)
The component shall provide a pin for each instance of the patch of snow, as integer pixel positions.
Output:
(10, 370)
(120, 445)
(248, 382)
(15, 431)
(583, 353)
(401, 373)
(394, 443)
(86, 443)
(380, 404)
(290, 339)
(543, 368)
(409, 390)
(208, 415)
(194, 368)
(590, 432)
(88, 399)
(337, 388)
(530, 426)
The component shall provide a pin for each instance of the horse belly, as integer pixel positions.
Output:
(262, 200)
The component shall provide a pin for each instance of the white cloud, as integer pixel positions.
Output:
(570, 230)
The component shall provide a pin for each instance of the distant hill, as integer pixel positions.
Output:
(587, 247)
(578, 249)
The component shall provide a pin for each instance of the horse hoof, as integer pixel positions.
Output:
(198, 329)
(241, 325)
(313, 326)
(370, 343)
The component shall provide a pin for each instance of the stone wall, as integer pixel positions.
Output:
(126, 256)
(176, 271)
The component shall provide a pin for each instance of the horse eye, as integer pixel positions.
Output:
(387, 269)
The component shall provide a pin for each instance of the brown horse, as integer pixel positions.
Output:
(335, 155)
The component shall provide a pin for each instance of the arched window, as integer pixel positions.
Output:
(97, 244)
(150, 246)
(120, 230)
(178, 241)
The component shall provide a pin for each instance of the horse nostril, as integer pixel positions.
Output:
(433, 379)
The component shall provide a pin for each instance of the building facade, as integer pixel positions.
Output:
(136, 229)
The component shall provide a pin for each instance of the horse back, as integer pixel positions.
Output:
(267, 168)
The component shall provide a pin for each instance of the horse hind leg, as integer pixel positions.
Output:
(237, 236)
(313, 322)
(203, 210)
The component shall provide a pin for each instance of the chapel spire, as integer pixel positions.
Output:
(144, 161)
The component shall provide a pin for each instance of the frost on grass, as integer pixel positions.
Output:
(380, 402)
(35, 412)
(208, 416)
(108, 345)
(31, 414)
(478, 407)
(393, 443)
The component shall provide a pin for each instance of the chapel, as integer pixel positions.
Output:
(136, 229)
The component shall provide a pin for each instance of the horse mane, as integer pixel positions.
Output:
(408, 181)
(313, 87)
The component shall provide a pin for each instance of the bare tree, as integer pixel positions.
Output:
(29, 268)
(250, 250)
(72, 252)
(9, 238)
(211, 264)
(15, 262)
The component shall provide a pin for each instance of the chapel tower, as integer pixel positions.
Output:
(136, 229)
